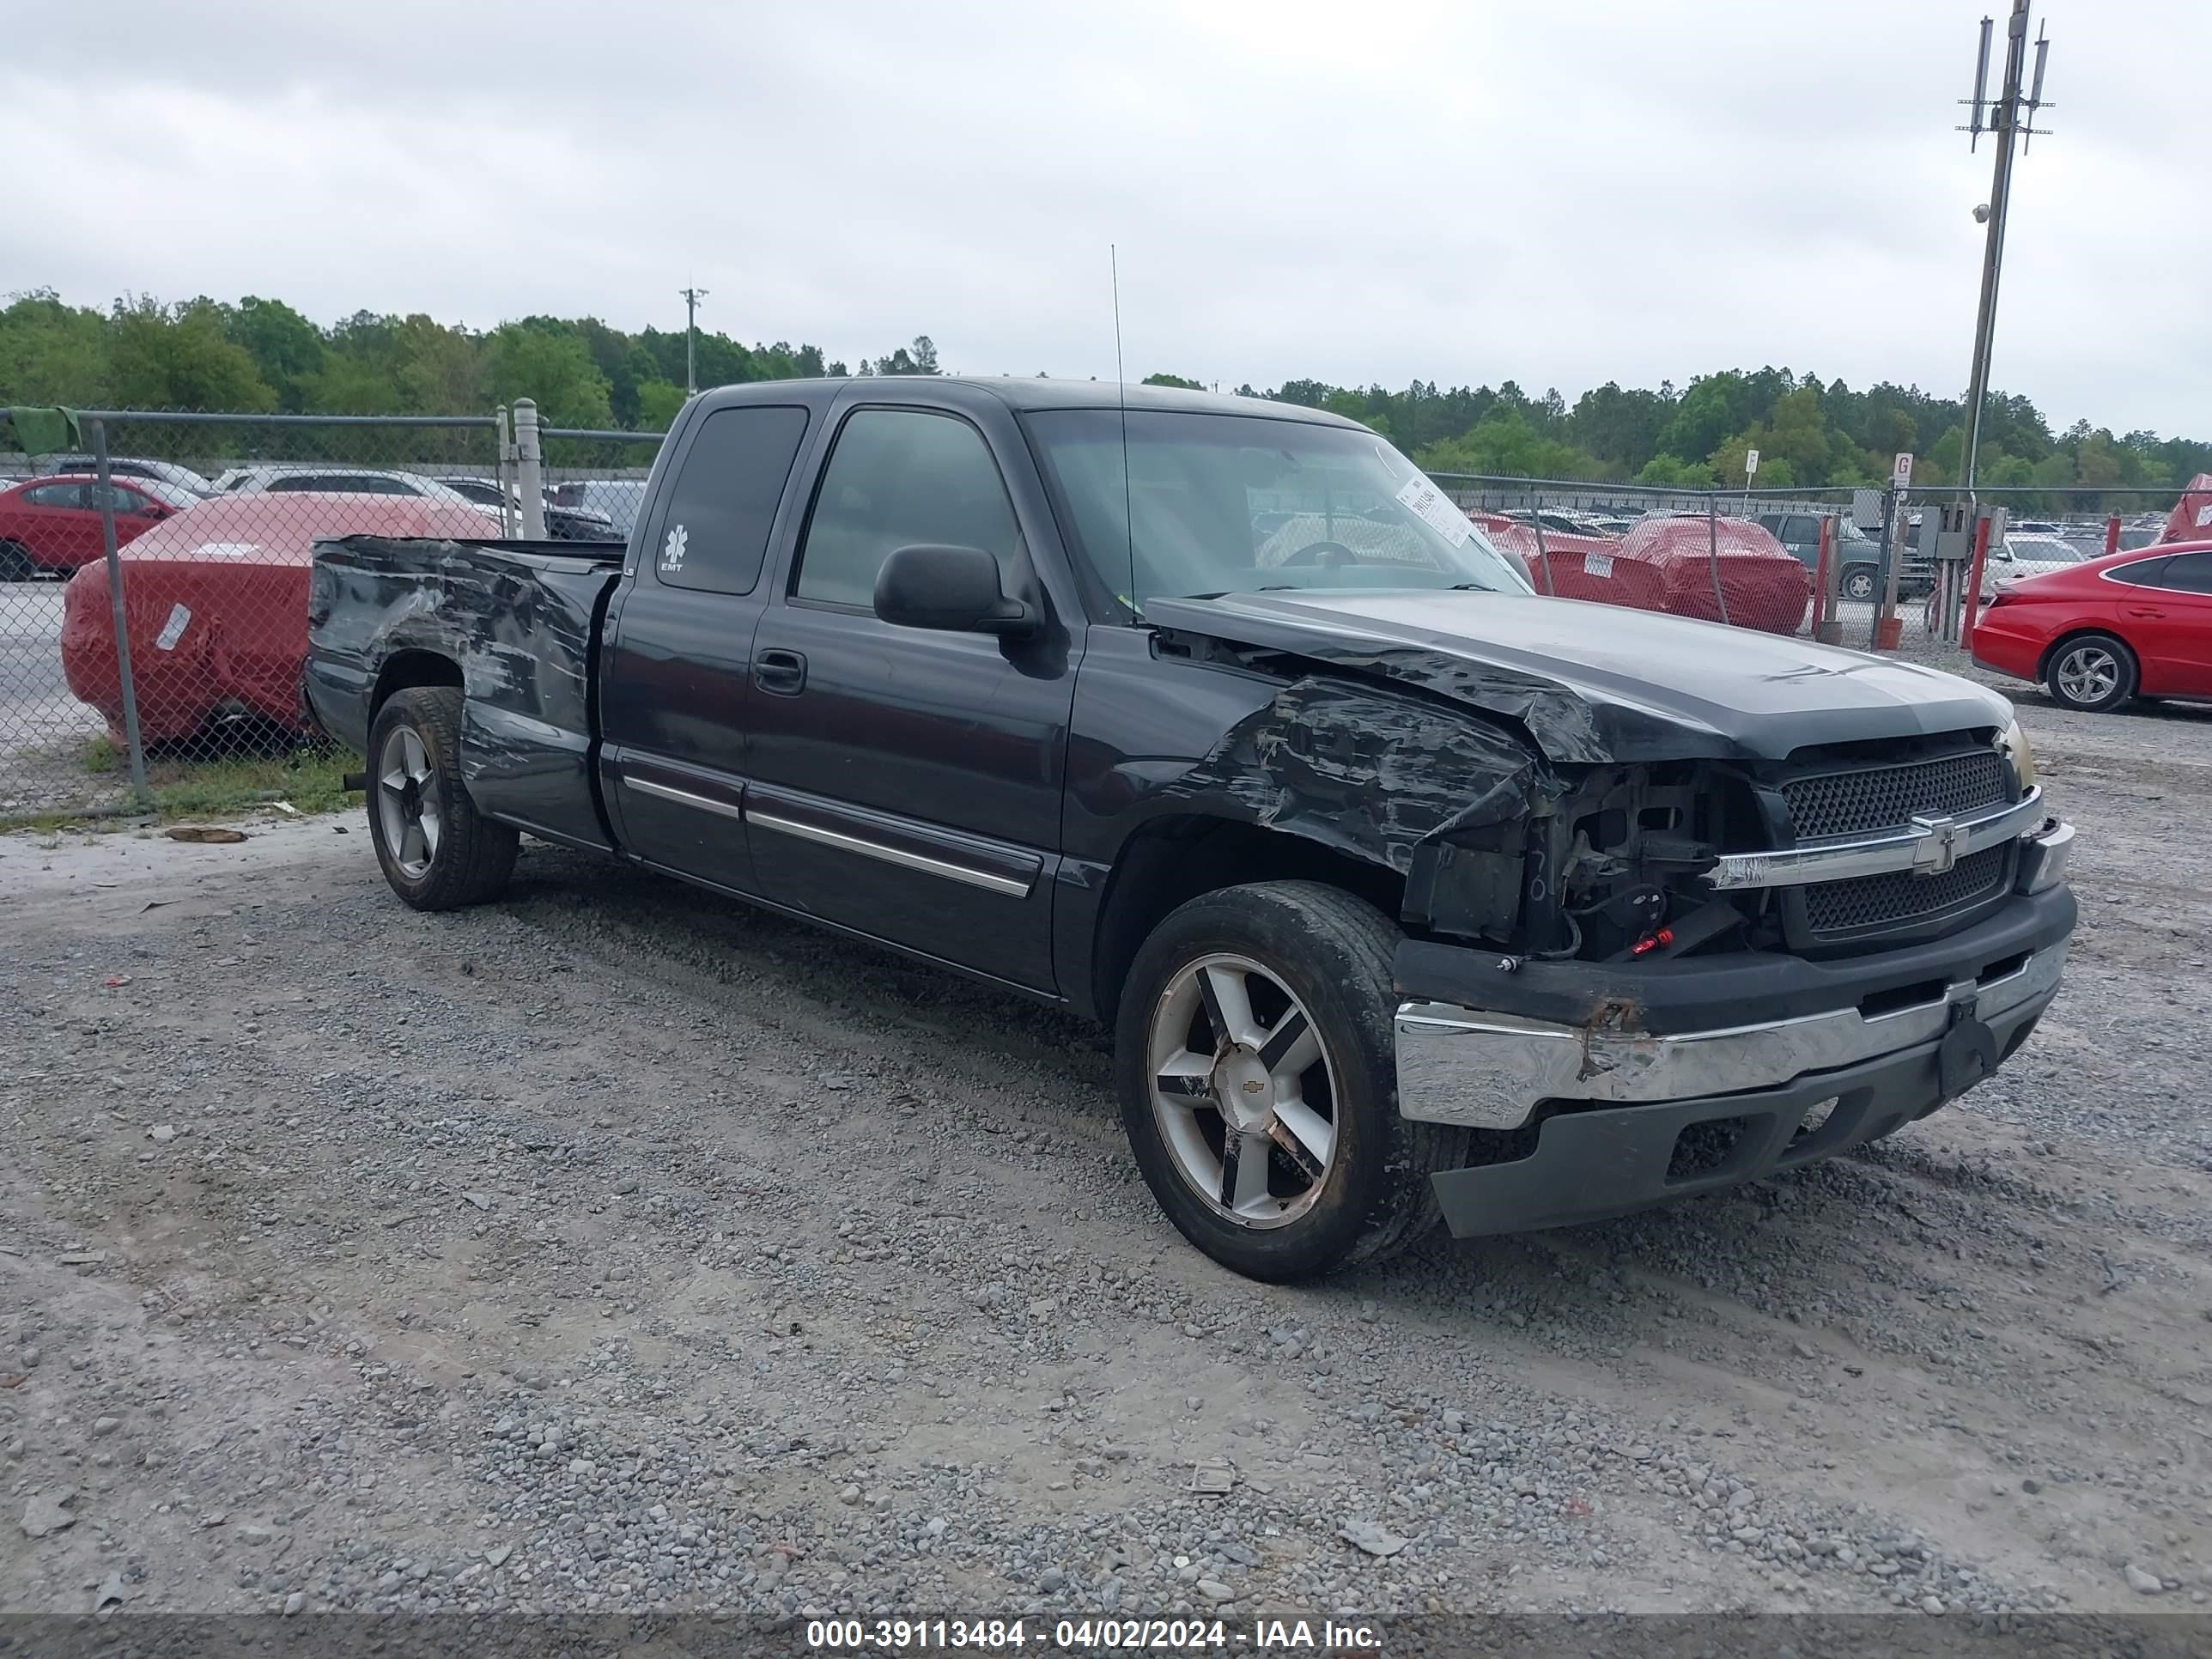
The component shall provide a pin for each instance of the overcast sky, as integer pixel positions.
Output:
(1468, 192)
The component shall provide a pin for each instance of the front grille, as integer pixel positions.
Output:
(1840, 909)
(1890, 797)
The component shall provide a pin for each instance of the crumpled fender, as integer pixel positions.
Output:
(1369, 770)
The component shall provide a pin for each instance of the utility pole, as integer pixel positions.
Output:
(691, 298)
(2010, 114)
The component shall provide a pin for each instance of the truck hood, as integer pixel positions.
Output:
(1597, 683)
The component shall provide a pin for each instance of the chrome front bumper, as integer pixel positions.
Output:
(1488, 1069)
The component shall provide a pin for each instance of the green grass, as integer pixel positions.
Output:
(311, 780)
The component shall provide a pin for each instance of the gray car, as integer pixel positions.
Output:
(1800, 536)
(340, 480)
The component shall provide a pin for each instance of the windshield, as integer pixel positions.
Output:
(1238, 504)
(2044, 549)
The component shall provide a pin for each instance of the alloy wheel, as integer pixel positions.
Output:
(1243, 1091)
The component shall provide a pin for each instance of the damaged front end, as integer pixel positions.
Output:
(1497, 843)
(1629, 976)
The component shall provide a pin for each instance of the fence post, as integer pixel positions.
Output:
(118, 618)
(529, 460)
(1889, 631)
(503, 470)
(2112, 534)
(1713, 552)
(1982, 524)
(1829, 629)
(1543, 559)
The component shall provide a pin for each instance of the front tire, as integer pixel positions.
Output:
(1254, 1059)
(2094, 672)
(437, 851)
(16, 564)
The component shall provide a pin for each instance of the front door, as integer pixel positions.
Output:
(2172, 625)
(904, 781)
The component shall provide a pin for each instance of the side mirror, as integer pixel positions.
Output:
(953, 589)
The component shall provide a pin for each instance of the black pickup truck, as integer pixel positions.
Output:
(1407, 893)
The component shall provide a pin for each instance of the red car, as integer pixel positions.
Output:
(2135, 624)
(49, 526)
(216, 604)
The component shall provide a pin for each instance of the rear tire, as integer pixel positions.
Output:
(1858, 583)
(438, 852)
(1303, 1079)
(2094, 672)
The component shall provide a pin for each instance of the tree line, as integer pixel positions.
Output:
(1809, 433)
(262, 356)
(259, 355)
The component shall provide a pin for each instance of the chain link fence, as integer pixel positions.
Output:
(1875, 569)
(153, 625)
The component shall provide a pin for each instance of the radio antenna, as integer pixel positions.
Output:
(1122, 398)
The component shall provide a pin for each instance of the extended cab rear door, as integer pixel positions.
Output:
(905, 782)
(676, 674)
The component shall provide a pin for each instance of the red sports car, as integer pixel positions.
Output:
(49, 527)
(2126, 625)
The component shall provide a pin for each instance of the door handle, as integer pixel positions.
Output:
(2142, 611)
(782, 672)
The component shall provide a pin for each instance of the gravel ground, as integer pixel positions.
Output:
(614, 1248)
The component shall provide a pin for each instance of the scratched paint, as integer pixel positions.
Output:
(515, 619)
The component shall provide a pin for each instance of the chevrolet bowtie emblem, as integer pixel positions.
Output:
(1937, 849)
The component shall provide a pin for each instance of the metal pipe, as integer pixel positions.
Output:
(1974, 601)
(503, 466)
(529, 469)
(1889, 633)
(1713, 553)
(118, 617)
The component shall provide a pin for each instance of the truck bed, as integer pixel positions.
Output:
(521, 619)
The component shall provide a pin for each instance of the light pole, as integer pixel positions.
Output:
(691, 298)
(2008, 115)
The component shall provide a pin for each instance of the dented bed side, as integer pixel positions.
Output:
(516, 623)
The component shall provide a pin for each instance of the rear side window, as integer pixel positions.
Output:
(54, 496)
(2144, 573)
(2188, 572)
(1798, 528)
(723, 502)
(345, 483)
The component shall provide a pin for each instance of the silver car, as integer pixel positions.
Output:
(339, 480)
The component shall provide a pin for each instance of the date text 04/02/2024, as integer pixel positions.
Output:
(1088, 1635)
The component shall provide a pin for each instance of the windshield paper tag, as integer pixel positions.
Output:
(174, 630)
(1434, 508)
(1597, 564)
